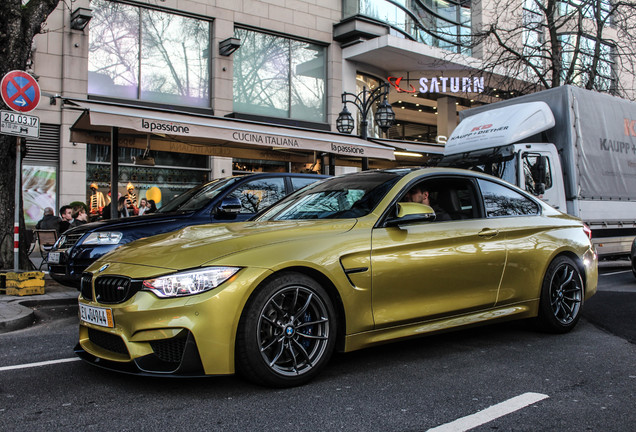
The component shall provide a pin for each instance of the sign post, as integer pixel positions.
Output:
(21, 92)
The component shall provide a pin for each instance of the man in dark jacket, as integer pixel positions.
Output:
(49, 221)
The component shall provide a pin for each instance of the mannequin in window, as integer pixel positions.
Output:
(131, 200)
(96, 200)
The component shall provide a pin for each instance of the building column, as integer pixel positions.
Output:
(446, 116)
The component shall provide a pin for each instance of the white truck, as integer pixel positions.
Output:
(574, 148)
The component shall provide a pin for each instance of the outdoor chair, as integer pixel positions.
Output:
(46, 239)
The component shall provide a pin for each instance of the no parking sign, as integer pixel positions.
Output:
(20, 91)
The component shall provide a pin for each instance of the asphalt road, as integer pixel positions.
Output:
(515, 379)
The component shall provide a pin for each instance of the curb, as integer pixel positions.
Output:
(23, 318)
(20, 312)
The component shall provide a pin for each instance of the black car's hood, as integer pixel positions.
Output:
(129, 222)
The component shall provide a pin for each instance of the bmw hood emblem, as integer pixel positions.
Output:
(104, 267)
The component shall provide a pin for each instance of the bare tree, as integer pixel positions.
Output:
(20, 21)
(548, 43)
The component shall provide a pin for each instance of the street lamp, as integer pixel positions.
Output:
(364, 101)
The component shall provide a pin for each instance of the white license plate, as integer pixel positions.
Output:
(53, 258)
(96, 315)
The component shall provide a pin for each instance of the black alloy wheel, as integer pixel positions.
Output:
(287, 332)
(561, 296)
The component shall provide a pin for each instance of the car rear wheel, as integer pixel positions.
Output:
(287, 332)
(561, 296)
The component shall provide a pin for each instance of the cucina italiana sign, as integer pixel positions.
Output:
(256, 138)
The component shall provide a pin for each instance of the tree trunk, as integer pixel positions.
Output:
(18, 25)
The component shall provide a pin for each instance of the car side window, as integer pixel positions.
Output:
(501, 201)
(301, 182)
(258, 194)
(452, 198)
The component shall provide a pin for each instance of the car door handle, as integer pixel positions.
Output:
(488, 232)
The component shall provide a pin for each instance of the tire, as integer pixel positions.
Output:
(634, 266)
(561, 296)
(287, 332)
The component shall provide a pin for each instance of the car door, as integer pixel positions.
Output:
(427, 270)
(517, 218)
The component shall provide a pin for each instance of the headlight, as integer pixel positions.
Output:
(102, 238)
(190, 282)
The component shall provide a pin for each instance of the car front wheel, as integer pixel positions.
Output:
(561, 296)
(287, 332)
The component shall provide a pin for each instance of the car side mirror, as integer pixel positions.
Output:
(408, 212)
(228, 209)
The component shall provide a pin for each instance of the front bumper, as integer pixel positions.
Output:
(177, 356)
(186, 336)
(74, 261)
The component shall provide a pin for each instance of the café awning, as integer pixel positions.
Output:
(187, 132)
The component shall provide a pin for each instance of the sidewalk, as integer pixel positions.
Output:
(18, 312)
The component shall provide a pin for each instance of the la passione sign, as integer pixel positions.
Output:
(226, 131)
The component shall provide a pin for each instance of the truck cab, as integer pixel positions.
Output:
(493, 142)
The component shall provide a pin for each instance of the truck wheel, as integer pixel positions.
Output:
(561, 296)
(287, 332)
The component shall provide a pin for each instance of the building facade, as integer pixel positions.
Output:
(192, 90)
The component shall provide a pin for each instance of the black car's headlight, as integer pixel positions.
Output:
(103, 238)
(189, 282)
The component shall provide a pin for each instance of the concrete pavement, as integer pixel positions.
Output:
(19, 312)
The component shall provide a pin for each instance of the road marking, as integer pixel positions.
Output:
(615, 273)
(38, 364)
(491, 413)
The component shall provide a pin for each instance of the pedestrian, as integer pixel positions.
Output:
(152, 207)
(66, 216)
(122, 206)
(80, 217)
(143, 206)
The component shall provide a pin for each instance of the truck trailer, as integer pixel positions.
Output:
(573, 148)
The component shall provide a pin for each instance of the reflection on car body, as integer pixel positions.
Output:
(236, 198)
(342, 264)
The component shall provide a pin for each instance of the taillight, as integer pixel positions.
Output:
(588, 231)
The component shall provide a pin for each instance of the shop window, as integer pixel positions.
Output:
(173, 173)
(148, 55)
(256, 195)
(276, 76)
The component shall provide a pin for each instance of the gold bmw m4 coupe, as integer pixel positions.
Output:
(343, 264)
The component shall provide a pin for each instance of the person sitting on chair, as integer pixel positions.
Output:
(49, 221)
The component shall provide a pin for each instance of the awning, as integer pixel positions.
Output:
(413, 153)
(178, 129)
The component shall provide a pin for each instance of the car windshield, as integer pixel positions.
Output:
(347, 196)
(198, 197)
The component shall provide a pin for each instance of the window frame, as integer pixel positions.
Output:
(289, 79)
(186, 106)
(522, 194)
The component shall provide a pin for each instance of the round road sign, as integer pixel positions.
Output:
(20, 91)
